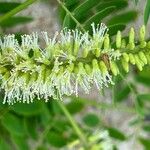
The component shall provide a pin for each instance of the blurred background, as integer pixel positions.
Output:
(122, 110)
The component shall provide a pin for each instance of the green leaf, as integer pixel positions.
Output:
(147, 12)
(13, 124)
(75, 106)
(4, 145)
(31, 127)
(114, 28)
(91, 120)
(119, 4)
(7, 6)
(25, 109)
(115, 133)
(97, 18)
(78, 12)
(13, 21)
(20, 143)
(122, 94)
(146, 128)
(123, 18)
(55, 139)
(145, 143)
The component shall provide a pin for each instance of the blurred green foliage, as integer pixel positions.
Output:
(43, 126)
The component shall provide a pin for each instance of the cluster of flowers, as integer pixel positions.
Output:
(70, 60)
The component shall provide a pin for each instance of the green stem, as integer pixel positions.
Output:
(71, 15)
(16, 10)
(73, 123)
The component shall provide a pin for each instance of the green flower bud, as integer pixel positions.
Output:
(131, 35)
(70, 67)
(85, 53)
(6, 76)
(131, 46)
(125, 65)
(34, 77)
(142, 57)
(3, 70)
(97, 52)
(143, 44)
(126, 57)
(131, 59)
(26, 76)
(123, 43)
(88, 69)
(95, 63)
(148, 58)
(103, 67)
(142, 33)
(106, 42)
(148, 45)
(138, 63)
(114, 68)
(118, 39)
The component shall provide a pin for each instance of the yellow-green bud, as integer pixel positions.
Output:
(106, 42)
(70, 67)
(85, 53)
(148, 58)
(97, 52)
(123, 43)
(131, 59)
(142, 33)
(114, 68)
(142, 57)
(138, 63)
(6, 76)
(103, 67)
(131, 35)
(3, 70)
(118, 39)
(88, 69)
(148, 45)
(126, 57)
(125, 65)
(143, 44)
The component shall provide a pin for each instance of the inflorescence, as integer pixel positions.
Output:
(71, 59)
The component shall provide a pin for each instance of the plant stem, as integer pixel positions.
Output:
(73, 123)
(71, 15)
(16, 10)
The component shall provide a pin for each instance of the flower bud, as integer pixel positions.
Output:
(142, 57)
(148, 58)
(148, 45)
(3, 70)
(125, 65)
(106, 42)
(138, 63)
(114, 68)
(97, 52)
(131, 59)
(143, 44)
(70, 67)
(88, 69)
(6, 76)
(126, 57)
(95, 63)
(131, 35)
(123, 43)
(85, 53)
(118, 39)
(142, 34)
(103, 67)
